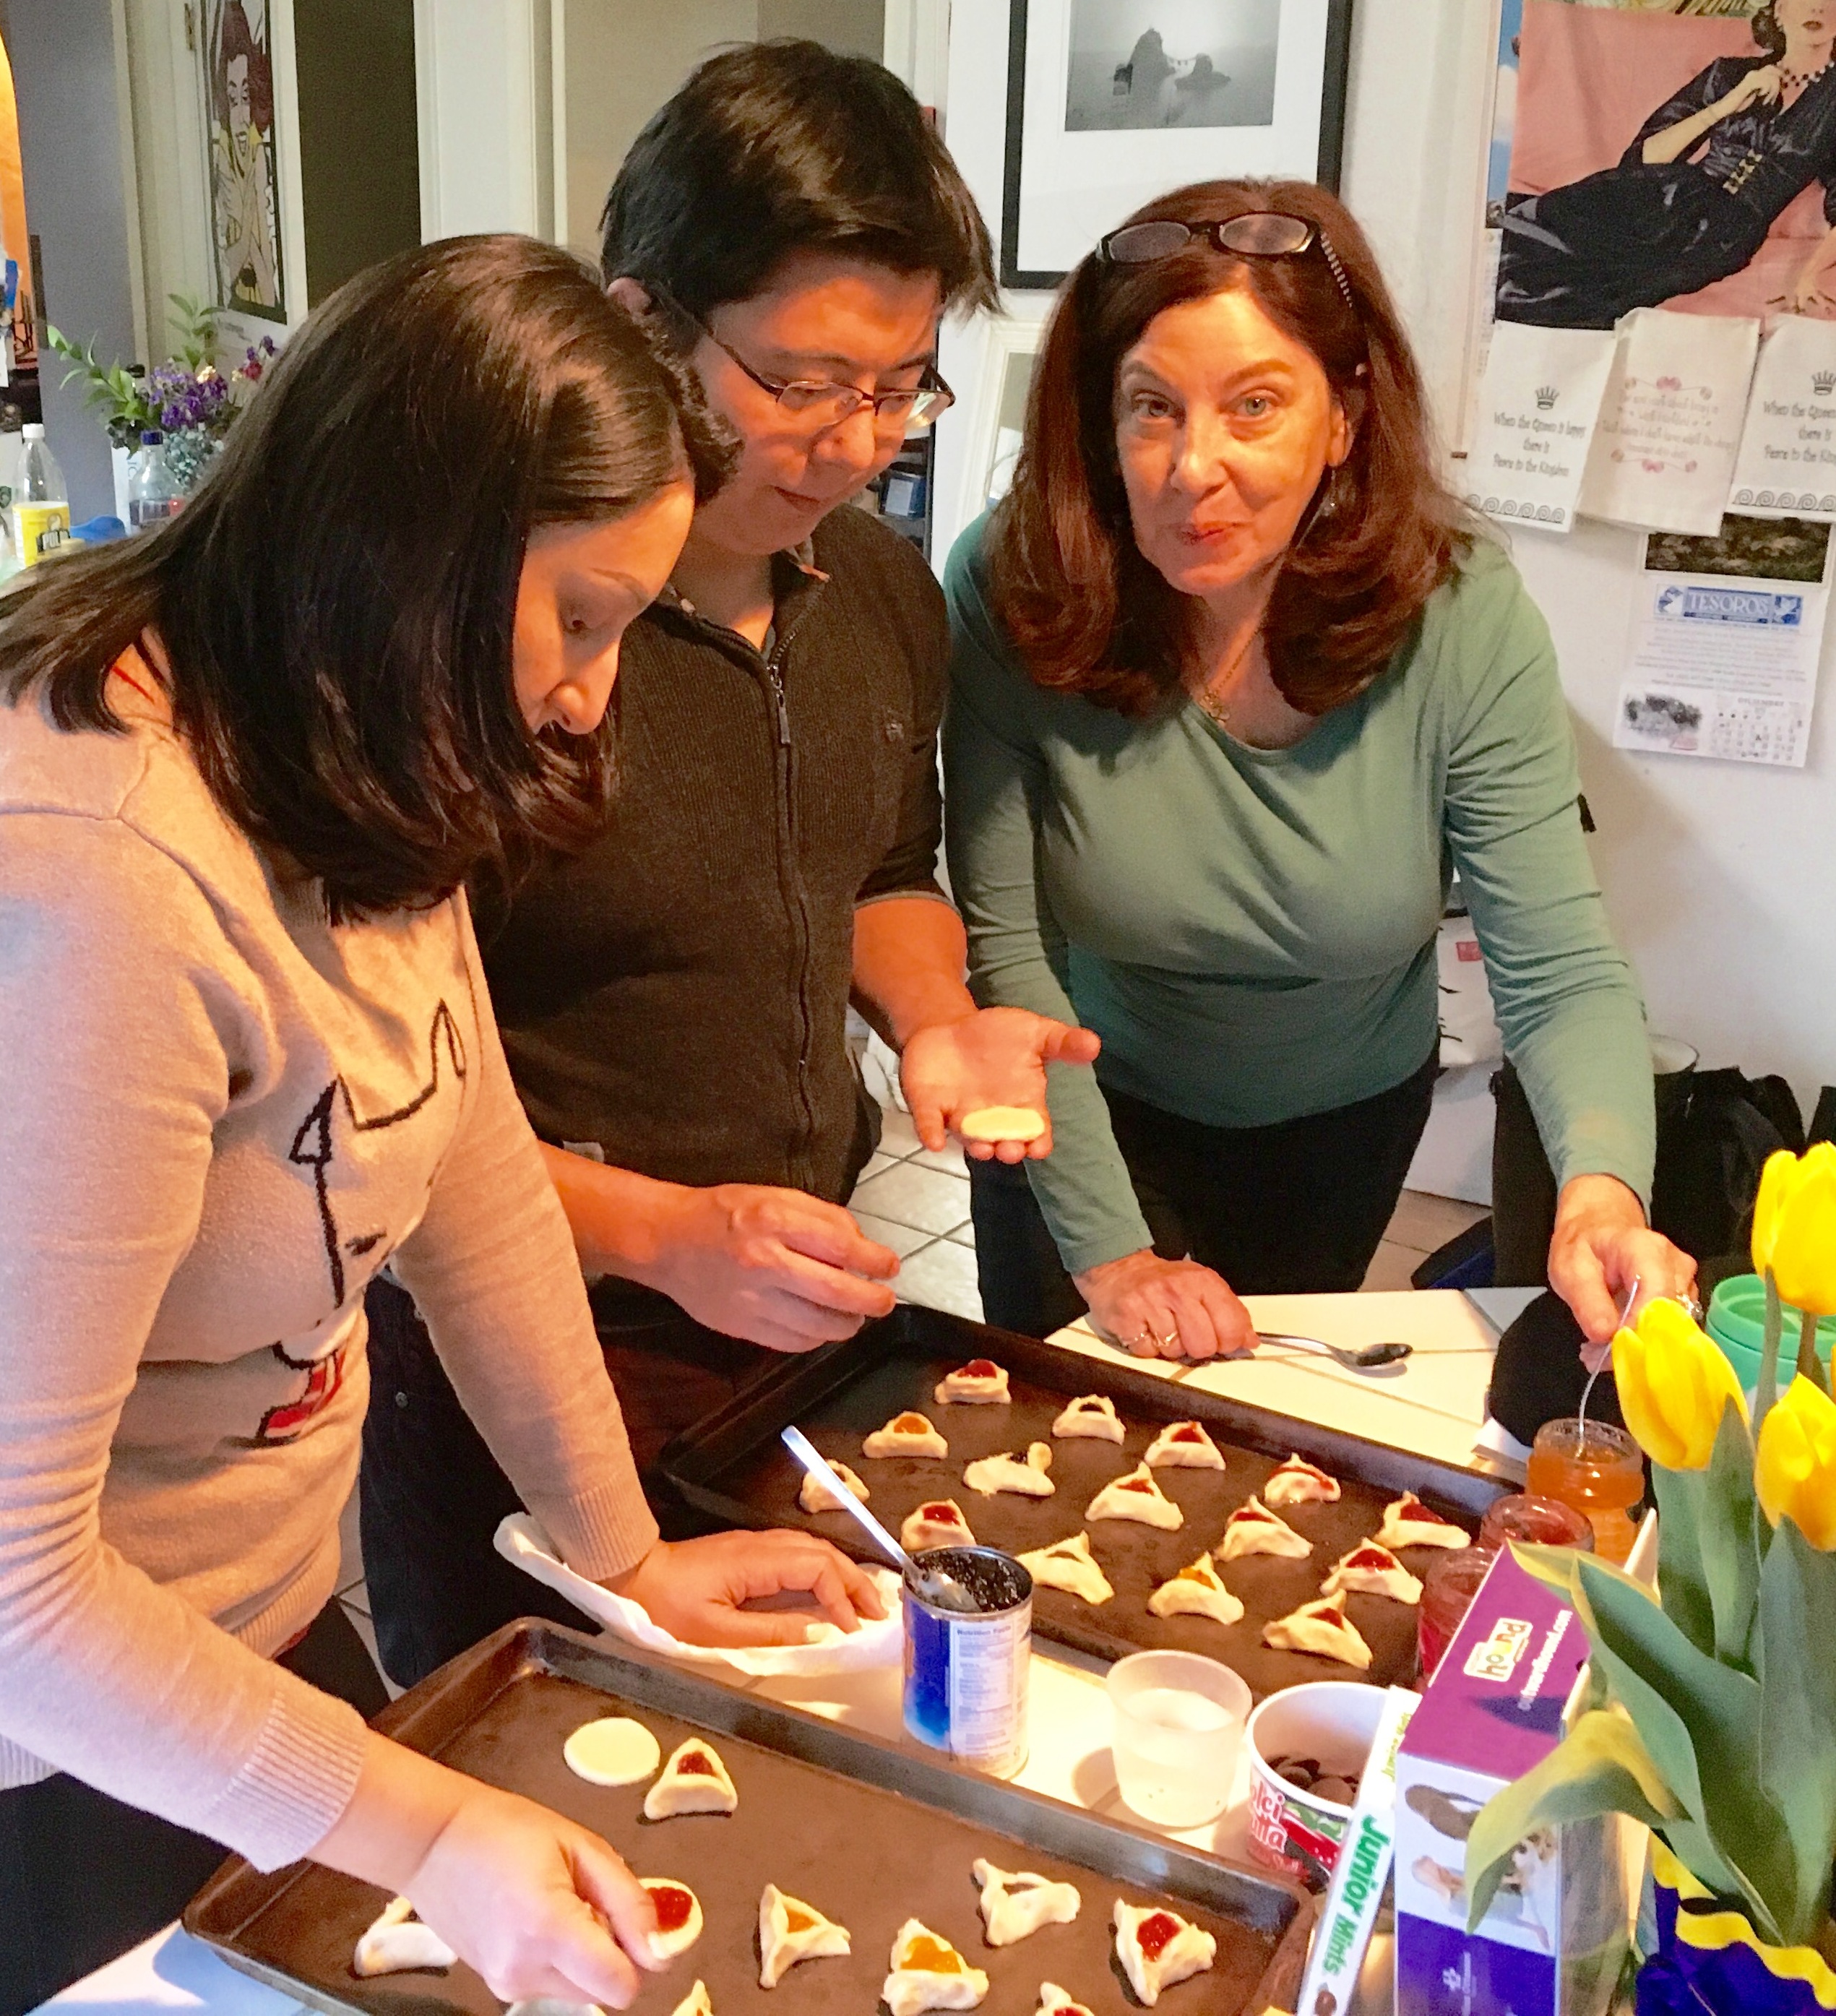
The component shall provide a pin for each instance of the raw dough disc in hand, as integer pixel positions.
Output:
(1002, 1123)
(615, 1750)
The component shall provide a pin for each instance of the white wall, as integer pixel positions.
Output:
(1720, 878)
(484, 77)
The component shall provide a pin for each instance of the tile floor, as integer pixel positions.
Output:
(916, 1201)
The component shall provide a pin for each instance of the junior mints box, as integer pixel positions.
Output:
(1553, 1940)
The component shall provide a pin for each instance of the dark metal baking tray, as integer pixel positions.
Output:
(872, 1832)
(732, 1467)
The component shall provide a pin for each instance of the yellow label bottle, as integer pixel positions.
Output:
(39, 529)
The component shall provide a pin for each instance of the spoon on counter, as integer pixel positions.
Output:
(1364, 1358)
(934, 1585)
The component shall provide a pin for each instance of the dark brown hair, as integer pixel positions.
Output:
(784, 146)
(338, 602)
(1086, 612)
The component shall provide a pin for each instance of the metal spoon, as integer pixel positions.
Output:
(934, 1585)
(1366, 1358)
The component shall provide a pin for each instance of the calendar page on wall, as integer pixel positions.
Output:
(1725, 636)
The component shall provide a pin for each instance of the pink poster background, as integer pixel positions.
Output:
(1589, 78)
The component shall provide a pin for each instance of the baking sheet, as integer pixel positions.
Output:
(733, 1466)
(870, 1832)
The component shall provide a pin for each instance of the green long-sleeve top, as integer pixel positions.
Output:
(1251, 931)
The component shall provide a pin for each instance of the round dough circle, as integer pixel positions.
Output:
(1002, 1123)
(615, 1750)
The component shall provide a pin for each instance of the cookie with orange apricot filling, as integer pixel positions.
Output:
(1322, 1628)
(1408, 1523)
(1197, 1591)
(1371, 1570)
(790, 1931)
(929, 1973)
(1252, 1528)
(1158, 1948)
(1137, 1496)
(909, 1434)
(1299, 1483)
(1183, 1445)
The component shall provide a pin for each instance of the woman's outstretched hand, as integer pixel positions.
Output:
(1602, 1245)
(538, 1904)
(695, 1589)
(1166, 1308)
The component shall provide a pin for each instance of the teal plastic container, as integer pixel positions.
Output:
(1737, 1322)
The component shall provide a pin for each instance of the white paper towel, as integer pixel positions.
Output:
(521, 1539)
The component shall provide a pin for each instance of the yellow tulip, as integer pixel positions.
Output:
(1795, 1471)
(1794, 1227)
(1673, 1386)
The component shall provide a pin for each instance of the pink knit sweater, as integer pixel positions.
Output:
(220, 1117)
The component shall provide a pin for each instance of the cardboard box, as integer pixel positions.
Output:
(1554, 1938)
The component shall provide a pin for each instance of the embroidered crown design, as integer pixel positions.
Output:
(1823, 383)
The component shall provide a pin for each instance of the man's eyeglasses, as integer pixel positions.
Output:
(821, 403)
(1258, 234)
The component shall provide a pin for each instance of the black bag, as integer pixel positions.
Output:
(1716, 1129)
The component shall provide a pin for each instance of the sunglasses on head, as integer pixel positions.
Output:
(1257, 234)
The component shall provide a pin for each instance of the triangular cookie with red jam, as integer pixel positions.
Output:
(1322, 1628)
(1252, 1528)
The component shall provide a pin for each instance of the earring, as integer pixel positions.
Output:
(1326, 504)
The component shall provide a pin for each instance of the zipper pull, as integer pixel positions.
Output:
(777, 679)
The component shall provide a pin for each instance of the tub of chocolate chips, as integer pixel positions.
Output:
(1308, 1746)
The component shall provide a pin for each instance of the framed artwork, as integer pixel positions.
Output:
(239, 112)
(997, 418)
(1634, 123)
(1110, 103)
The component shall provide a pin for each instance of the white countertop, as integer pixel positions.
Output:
(1432, 1402)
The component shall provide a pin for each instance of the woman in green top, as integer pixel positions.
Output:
(1236, 689)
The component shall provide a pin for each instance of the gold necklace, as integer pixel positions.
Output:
(1210, 700)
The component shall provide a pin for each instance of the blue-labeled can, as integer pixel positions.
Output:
(966, 1673)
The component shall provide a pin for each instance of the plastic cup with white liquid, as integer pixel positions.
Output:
(1178, 1728)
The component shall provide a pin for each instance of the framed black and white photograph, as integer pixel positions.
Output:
(1110, 103)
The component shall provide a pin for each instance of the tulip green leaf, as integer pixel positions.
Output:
(1701, 1721)
(1600, 1767)
(1708, 1541)
(1798, 1711)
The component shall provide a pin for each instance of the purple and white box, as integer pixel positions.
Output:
(1553, 1940)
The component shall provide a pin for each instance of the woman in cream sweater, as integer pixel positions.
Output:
(248, 760)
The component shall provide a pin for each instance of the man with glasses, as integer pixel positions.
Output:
(673, 1000)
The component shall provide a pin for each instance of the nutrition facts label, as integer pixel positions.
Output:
(987, 1686)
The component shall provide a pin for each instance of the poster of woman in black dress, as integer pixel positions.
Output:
(1694, 195)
